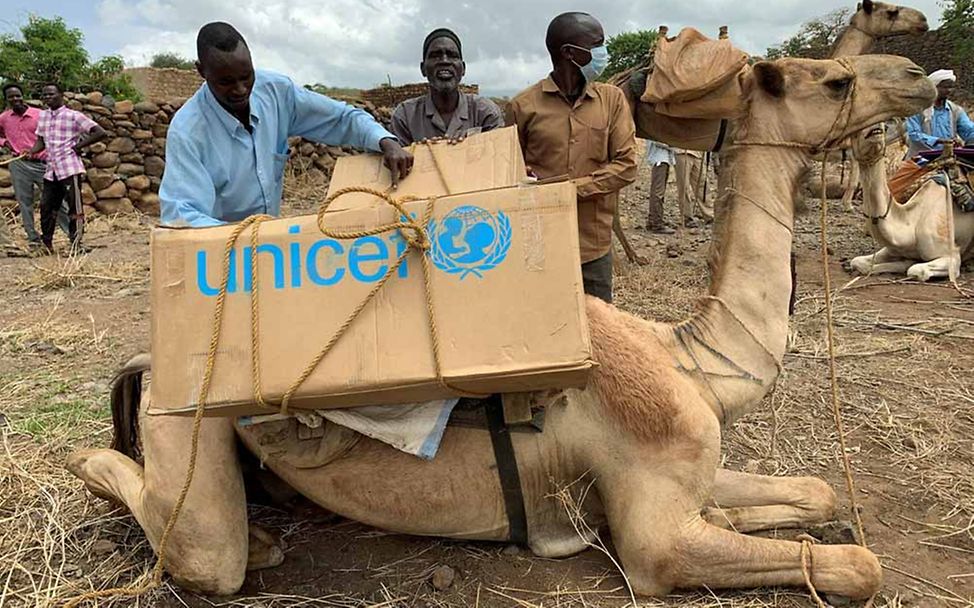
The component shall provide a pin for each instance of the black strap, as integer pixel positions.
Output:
(720, 136)
(500, 438)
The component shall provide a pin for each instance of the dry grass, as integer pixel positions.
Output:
(907, 397)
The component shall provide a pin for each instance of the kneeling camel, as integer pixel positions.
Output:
(646, 432)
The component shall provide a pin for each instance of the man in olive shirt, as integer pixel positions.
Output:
(570, 125)
(444, 111)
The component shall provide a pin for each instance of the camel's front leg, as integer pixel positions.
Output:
(207, 550)
(748, 503)
(939, 267)
(883, 261)
(664, 544)
(850, 188)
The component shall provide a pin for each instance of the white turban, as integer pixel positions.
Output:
(942, 76)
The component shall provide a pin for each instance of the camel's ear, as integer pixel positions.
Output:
(867, 6)
(770, 77)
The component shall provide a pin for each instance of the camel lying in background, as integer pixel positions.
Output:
(914, 236)
(645, 435)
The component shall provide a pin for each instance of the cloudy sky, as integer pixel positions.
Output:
(361, 43)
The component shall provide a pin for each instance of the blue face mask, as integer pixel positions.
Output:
(594, 68)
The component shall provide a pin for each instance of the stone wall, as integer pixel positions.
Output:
(165, 83)
(124, 171)
(933, 50)
(390, 97)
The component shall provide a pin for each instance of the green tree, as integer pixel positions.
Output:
(171, 60)
(106, 75)
(958, 22)
(628, 50)
(814, 39)
(48, 50)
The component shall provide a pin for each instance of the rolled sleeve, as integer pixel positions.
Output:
(914, 131)
(187, 194)
(84, 123)
(327, 121)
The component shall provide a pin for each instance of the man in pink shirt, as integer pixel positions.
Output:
(18, 132)
(63, 132)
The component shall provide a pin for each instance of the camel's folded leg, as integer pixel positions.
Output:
(937, 268)
(883, 261)
(664, 544)
(207, 550)
(747, 503)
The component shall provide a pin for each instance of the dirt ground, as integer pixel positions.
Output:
(906, 356)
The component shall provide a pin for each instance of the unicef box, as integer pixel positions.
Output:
(506, 289)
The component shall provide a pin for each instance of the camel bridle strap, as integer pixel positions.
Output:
(875, 219)
(413, 232)
(840, 125)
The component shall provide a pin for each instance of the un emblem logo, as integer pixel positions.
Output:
(469, 240)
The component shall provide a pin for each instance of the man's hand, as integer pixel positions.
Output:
(398, 161)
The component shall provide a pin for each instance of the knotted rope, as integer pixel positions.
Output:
(417, 238)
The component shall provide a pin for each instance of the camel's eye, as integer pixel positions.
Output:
(839, 85)
(893, 13)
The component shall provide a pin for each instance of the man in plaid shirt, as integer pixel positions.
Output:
(63, 132)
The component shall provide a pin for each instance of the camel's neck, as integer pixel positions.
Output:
(877, 200)
(738, 337)
(852, 41)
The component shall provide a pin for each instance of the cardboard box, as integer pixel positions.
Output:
(482, 161)
(507, 290)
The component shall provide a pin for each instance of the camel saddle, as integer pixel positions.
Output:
(696, 77)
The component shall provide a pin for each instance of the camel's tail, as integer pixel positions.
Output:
(126, 396)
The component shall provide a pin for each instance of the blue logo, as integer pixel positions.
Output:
(469, 240)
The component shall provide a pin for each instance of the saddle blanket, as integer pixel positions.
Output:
(415, 428)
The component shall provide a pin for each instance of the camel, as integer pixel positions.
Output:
(914, 235)
(871, 22)
(644, 435)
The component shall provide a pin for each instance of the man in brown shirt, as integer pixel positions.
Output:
(571, 126)
(444, 111)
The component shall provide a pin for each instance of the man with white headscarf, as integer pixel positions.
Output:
(943, 122)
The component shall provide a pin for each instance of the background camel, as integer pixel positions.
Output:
(915, 236)
(872, 21)
(644, 437)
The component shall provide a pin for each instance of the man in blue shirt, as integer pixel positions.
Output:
(226, 148)
(943, 122)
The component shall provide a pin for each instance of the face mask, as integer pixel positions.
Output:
(592, 69)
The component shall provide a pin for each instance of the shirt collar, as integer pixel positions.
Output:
(462, 111)
(548, 85)
(229, 122)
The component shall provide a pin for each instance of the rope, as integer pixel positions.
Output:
(413, 232)
(4, 163)
(833, 380)
(155, 575)
(846, 111)
(806, 560)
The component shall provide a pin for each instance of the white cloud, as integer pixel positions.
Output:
(361, 42)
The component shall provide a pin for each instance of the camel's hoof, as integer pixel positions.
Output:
(264, 550)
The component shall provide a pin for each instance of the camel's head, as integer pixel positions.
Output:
(818, 103)
(882, 20)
